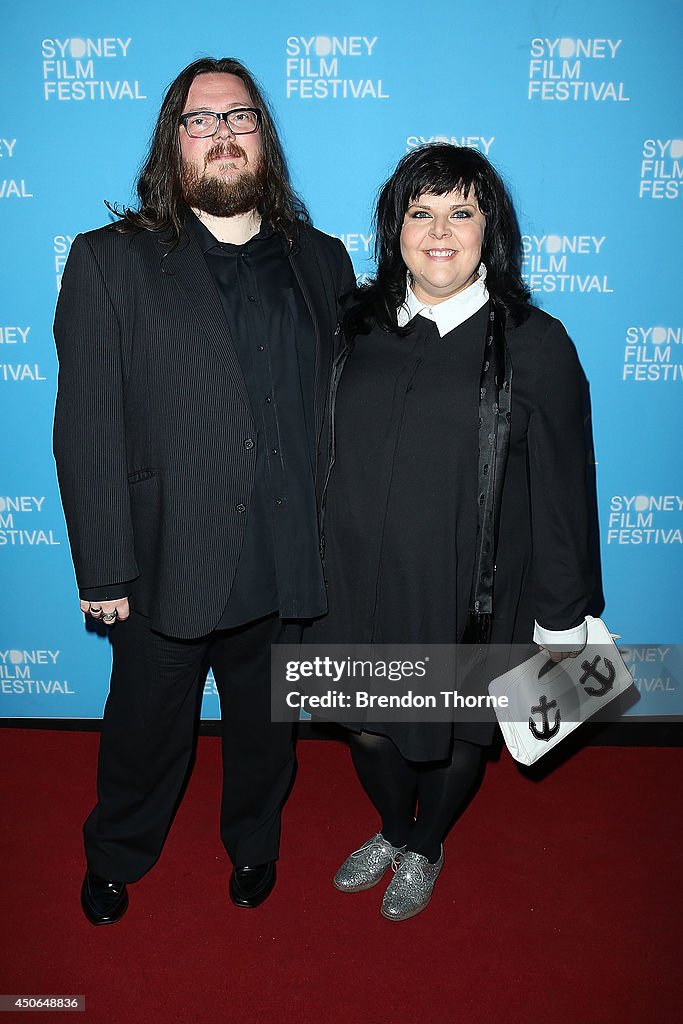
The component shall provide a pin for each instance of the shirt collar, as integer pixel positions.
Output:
(448, 314)
(208, 241)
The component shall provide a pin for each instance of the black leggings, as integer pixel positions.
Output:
(418, 801)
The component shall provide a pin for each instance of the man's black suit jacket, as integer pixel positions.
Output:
(153, 414)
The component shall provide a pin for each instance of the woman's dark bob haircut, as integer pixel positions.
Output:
(437, 169)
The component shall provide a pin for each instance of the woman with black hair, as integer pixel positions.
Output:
(457, 452)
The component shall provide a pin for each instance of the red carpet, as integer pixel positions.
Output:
(560, 901)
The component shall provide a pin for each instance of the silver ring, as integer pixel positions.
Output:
(109, 616)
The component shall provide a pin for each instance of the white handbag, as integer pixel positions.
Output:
(546, 700)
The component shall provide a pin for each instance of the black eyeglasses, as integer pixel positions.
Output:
(203, 124)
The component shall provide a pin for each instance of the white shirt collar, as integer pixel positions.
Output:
(450, 313)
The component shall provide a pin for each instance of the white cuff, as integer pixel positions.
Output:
(562, 639)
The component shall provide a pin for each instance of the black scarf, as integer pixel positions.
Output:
(495, 400)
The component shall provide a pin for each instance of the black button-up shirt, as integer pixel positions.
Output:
(272, 331)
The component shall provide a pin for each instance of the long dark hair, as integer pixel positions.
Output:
(159, 185)
(439, 168)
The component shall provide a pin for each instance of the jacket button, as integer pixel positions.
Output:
(240, 508)
(248, 443)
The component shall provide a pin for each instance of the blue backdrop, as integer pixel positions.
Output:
(577, 103)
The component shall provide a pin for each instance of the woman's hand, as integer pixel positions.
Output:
(561, 655)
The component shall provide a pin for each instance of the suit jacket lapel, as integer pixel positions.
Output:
(310, 280)
(187, 266)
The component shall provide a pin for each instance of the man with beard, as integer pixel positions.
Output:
(195, 338)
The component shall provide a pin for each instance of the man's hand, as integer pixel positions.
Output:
(108, 611)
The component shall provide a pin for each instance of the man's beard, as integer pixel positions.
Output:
(221, 197)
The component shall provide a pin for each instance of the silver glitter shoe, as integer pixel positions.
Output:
(364, 867)
(410, 890)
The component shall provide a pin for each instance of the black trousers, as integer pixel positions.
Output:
(148, 736)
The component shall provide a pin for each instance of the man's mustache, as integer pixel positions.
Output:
(224, 151)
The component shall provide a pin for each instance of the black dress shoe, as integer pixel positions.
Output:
(103, 901)
(250, 886)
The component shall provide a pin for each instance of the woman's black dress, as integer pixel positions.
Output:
(401, 510)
